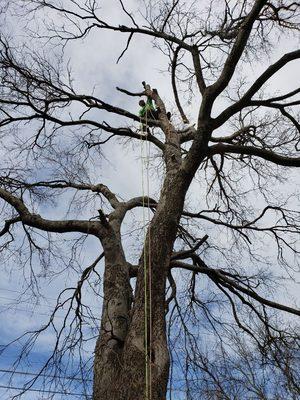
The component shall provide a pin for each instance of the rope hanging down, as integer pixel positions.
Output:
(145, 159)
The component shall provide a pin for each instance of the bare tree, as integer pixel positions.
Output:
(197, 261)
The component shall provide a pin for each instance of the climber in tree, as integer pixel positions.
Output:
(147, 109)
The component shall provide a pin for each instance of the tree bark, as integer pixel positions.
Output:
(120, 365)
(161, 234)
(114, 321)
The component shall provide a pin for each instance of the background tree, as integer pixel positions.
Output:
(207, 249)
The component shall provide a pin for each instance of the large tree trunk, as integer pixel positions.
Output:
(120, 370)
(162, 234)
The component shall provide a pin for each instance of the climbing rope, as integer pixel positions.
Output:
(145, 160)
(149, 270)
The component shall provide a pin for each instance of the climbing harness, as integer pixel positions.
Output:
(145, 159)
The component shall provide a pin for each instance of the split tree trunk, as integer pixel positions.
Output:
(120, 358)
(120, 350)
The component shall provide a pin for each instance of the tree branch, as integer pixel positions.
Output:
(220, 276)
(63, 184)
(36, 221)
(237, 49)
(198, 70)
(174, 86)
(260, 81)
(8, 223)
(255, 151)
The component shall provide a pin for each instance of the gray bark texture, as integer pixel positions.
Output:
(120, 351)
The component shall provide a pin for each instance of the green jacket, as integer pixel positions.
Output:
(147, 107)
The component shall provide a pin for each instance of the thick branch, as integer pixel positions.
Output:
(237, 49)
(174, 86)
(198, 70)
(220, 276)
(62, 184)
(257, 152)
(36, 221)
(256, 86)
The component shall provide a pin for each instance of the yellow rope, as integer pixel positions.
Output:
(149, 269)
(147, 262)
(145, 268)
